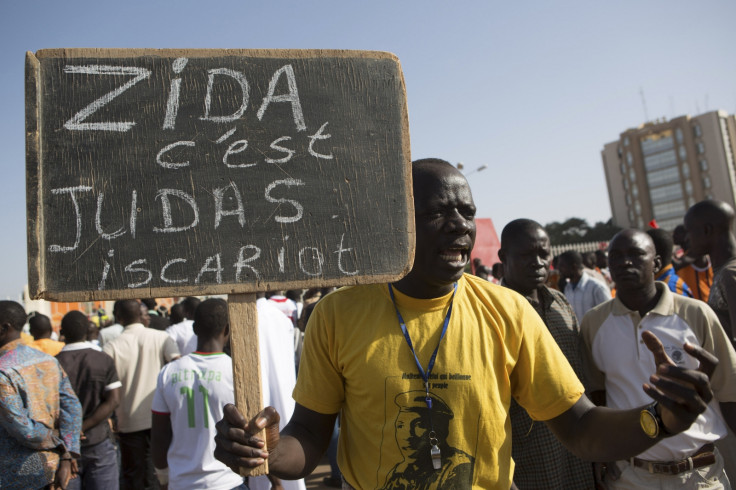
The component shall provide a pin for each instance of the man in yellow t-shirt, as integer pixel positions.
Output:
(467, 346)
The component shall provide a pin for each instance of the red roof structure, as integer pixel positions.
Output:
(487, 243)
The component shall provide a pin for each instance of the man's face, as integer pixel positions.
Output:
(145, 317)
(601, 259)
(445, 226)
(632, 260)
(565, 268)
(526, 263)
(696, 239)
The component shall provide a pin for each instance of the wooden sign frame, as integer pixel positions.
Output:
(85, 147)
(353, 111)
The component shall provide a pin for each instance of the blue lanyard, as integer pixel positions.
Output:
(402, 324)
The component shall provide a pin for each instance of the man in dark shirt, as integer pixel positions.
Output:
(541, 460)
(95, 381)
(709, 226)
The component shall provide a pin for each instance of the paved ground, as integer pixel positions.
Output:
(315, 479)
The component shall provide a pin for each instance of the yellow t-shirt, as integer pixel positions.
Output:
(496, 346)
(49, 346)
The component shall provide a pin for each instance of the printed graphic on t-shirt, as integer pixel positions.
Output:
(413, 431)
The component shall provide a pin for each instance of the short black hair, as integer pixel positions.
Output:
(190, 305)
(589, 260)
(515, 228)
(150, 302)
(176, 314)
(39, 324)
(211, 318)
(572, 257)
(717, 213)
(74, 326)
(426, 165)
(431, 161)
(13, 313)
(663, 244)
(127, 311)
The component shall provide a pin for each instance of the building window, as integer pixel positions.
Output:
(665, 193)
(632, 175)
(626, 141)
(697, 131)
(619, 151)
(706, 182)
(660, 160)
(727, 146)
(628, 199)
(678, 135)
(655, 143)
(703, 164)
(683, 153)
(635, 191)
(709, 196)
(700, 147)
(626, 185)
(669, 209)
(637, 208)
(629, 158)
(688, 187)
(631, 216)
(685, 170)
(661, 177)
(669, 224)
(690, 202)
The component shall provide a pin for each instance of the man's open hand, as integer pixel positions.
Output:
(682, 393)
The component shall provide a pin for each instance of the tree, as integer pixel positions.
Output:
(577, 230)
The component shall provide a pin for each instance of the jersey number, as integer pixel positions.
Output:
(190, 405)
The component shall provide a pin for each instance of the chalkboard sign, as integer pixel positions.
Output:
(188, 172)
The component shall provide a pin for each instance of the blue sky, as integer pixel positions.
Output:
(533, 91)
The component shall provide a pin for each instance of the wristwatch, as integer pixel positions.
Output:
(651, 422)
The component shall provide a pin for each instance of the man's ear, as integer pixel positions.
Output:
(5, 328)
(708, 229)
(502, 255)
(657, 264)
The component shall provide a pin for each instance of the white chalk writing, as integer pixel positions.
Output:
(75, 123)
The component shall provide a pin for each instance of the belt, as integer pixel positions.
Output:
(702, 457)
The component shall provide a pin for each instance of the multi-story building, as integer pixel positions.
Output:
(660, 169)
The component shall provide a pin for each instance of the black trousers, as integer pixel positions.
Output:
(136, 472)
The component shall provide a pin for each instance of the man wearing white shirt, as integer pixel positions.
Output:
(582, 291)
(139, 354)
(183, 332)
(616, 369)
(190, 394)
(111, 332)
(278, 376)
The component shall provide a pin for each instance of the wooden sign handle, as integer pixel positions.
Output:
(246, 363)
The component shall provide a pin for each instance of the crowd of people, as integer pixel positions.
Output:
(131, 401)
(617, 371)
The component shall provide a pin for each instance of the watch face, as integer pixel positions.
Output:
(648, 423)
